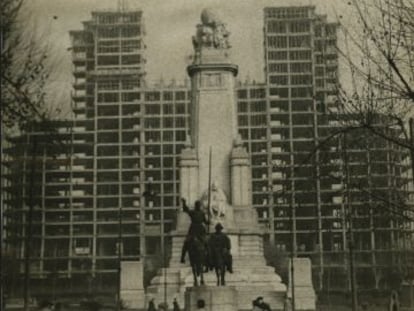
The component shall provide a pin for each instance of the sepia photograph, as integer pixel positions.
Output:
(207, 155)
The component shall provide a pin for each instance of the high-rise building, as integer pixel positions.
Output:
(109, 191)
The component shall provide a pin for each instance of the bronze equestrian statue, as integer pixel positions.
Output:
(195, 243)
(206, 253)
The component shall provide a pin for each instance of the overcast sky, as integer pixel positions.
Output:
(169, 26)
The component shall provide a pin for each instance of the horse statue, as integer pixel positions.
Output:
(219, 251)
(197, 253)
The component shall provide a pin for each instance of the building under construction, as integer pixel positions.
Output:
(104, 187)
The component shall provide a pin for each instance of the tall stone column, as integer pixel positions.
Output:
(214, 118)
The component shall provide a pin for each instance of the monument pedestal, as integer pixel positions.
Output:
(305, 298)
(251, 277)
(223, 298)
(132, 288)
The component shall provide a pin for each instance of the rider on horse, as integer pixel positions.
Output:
(197, 229)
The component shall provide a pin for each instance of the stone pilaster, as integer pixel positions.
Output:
(241, 193)
(189, 187)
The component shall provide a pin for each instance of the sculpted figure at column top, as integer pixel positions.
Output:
(211, 33)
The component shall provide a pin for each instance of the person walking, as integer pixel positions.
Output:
(176, 306)
(151, 305)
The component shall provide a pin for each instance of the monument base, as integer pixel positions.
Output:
(132, 288)
(211, 298)
(133, 299)
(305, 298)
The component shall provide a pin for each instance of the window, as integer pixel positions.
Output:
(152, 109)
(131, 31)
(168, 122)
(299, 41)
(299, 27)
(318, 31)
(301, 67)
(108, 60)
(152, 96)
(258, 120)
(277, 55)
(180, 122)
(300, 55)
(277, 27)
(257, 93)
(180, 95)
(108, 98)
(168, 109)
(319, 71)
(301, 79)
(131, 45)
(108, 85)
(277, 42)
(319, 59)
(242, 93)
(330, 30)
(180, 108)
(152, 122)
(278, 68)
(108, 47)
(130, 84)
(108, 19)
(130, 97)
(284, 93)
(301, 92)
(108, 32)
(167, 96)
(280, 80)
(243, 121)
(258, 106)
(131, 59)
(242, 107)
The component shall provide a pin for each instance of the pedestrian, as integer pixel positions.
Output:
(201, 304)
(151, 305)
(260, 305)
(176, 306)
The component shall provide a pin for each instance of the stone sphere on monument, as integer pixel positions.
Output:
(209, 17)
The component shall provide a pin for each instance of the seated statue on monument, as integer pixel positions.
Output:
(218, 203)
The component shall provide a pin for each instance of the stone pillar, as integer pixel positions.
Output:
(214, 298)
(241, 193)
(132, 285)
(305, 298)
(188, 185)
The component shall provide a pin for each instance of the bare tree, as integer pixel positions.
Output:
(25, 68)
(379, 52)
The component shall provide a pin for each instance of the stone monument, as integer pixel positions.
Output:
(214, 126)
